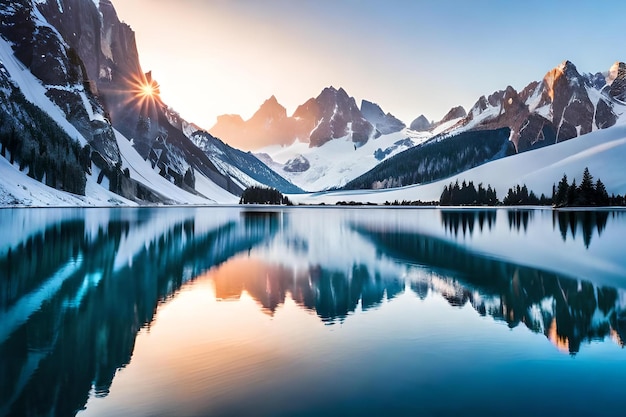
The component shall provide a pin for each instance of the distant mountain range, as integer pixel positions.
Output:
(82, 124)
(331, 115)
(564, 105)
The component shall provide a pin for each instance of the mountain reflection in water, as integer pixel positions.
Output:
(76, 290)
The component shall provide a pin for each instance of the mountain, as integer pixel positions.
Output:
(602, 151)
(453, 115)
(562, 106)
(268, 126)
(420, 124)
(245, 169)
(79, 115)
(616, 81)
(338, 161)
(333, 114)
(384, 123)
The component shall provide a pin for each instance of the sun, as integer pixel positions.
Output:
(147, 90)
(143, 93)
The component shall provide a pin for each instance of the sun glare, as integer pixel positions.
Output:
(147, 90)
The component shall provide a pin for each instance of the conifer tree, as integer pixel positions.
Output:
(601, 195)
(586, 191)
(560, 198)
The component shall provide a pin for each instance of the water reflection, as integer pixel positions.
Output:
(72, 302)
(464, 221)
(519, 219)
(331, 295)
(587, 221)
(569, 312)
(75, 290)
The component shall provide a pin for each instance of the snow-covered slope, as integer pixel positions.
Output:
(18, 189)
(602, 151)
(336, 162)
(58, 96)
(142, 172)
(33, 90)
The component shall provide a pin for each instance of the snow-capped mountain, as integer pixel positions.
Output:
(336, 162)
(78, 114)
(564, 105)
(602, 151)
(245, 168)
(333, 114)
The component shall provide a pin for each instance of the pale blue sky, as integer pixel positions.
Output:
(412, 57)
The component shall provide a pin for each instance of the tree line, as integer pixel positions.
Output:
(263, 195)
(467, 194)
(587, 194)
(31, 138)
(436, 159)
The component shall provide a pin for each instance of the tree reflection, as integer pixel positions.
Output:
(519, 219)
(569, 222)
(72, 299)
(71, 307)
(567, 311)
(464, 221)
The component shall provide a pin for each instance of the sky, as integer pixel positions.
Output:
(214, 57)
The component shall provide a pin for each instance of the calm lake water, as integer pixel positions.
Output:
(311, 312)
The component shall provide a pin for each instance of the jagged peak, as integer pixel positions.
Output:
(273, 103)
(615, 71)
(563, 66)
(566, 69)
(366, 104)
(272, 99)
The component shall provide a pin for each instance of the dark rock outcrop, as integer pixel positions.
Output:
(297, 164)
(420, 124)
(384, 123)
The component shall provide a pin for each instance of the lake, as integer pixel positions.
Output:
(234, 311)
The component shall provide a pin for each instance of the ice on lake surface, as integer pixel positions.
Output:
(311, 311)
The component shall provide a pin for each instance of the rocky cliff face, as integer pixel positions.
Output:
(617, 81)
(61, 70)
(88, 63)
(113, 71)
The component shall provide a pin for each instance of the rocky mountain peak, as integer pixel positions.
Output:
(271, 109)
(566, 70)
(454, 113)
(617, 81)
(616, 69)
(420, 124)
(338, 116)
(384, 123)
